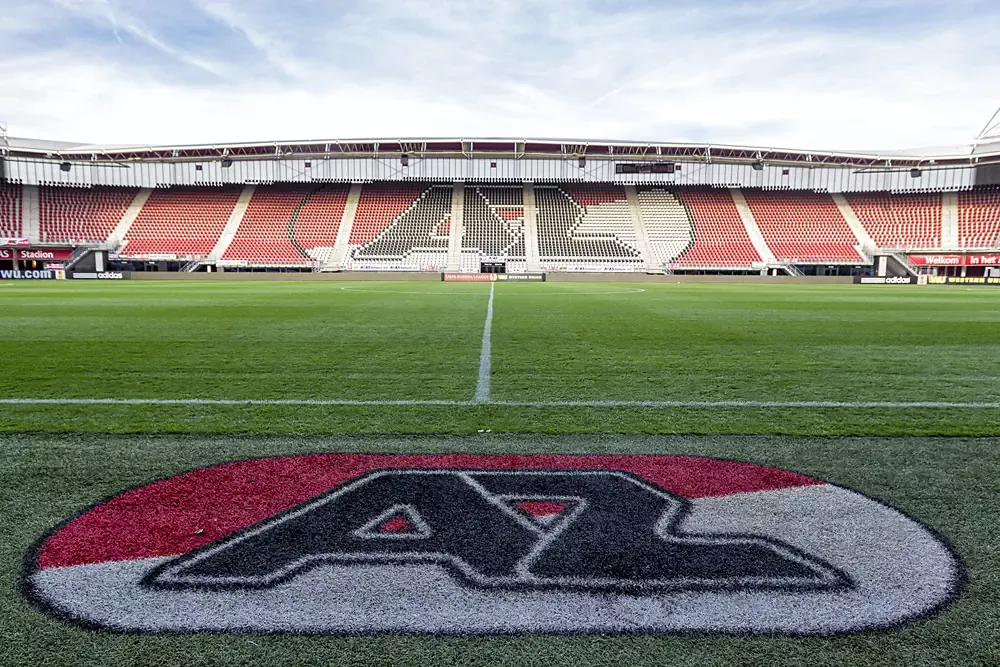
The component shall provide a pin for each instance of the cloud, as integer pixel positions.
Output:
(102, 11)
(801, 73)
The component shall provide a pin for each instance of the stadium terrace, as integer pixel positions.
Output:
(502, 205)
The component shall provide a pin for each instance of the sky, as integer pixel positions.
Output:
(811, 74)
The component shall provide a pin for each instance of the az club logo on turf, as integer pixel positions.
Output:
(492, 544)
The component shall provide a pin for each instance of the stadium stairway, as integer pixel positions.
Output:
(233, 224)
(31, 213)
(866, 244)
(457, 228)
(340, 245)
(532, 262)
(121, 229)
(641, 237)
(753, 230)
(949, 220)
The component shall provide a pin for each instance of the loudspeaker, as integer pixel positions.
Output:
(758, 166)
(915, 173)
(65, 166)
(226, 163)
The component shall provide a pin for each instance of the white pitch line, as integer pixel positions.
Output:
(220, 401)
(516, 404)
(483, 388)
(749, 404)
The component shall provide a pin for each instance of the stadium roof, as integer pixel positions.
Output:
(983, 152)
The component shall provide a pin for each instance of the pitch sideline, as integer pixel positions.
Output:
(514, 404)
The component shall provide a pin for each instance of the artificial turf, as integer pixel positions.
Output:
(550, 342)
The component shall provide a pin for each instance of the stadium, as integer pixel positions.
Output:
(502, 206)
(492, 400)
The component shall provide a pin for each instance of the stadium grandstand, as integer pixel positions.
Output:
(510, 205)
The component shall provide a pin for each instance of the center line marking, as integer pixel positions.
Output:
(483, 388)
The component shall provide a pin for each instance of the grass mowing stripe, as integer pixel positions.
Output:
(483, 388)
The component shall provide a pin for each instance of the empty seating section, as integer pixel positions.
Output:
(378, 206)
(316, 225)
(668, 227)
(580, 226)
(263, 235)
(720, 237)
(289, 225)
(401, 226)
(81, 215)
(10, 211)
(803, 226)
(184, 222)
(606, 212)
(899, 220)
(586, 225)
(979, 219)
(493, 221)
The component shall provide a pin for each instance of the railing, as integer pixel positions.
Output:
(904, 262)
(78, 254)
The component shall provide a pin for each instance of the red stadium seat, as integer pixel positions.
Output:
(185, 222)
(81, 215)
(720, 237)
(10, 210)
(803, 226)
(979, 219)
(901, 221)
(401, 226)
(289, 225)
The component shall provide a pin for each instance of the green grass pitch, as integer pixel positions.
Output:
(550, 343)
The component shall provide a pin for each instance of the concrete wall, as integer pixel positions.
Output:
(347, 275)
(645, 278)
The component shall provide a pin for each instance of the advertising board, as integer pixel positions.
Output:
(885, 280)
(969, 280)
(104, 275)
(492, 277)
(955, 260)
(45, 254)
(33, 274)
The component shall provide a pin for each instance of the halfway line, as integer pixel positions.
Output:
(483, 388)
(487, 402)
